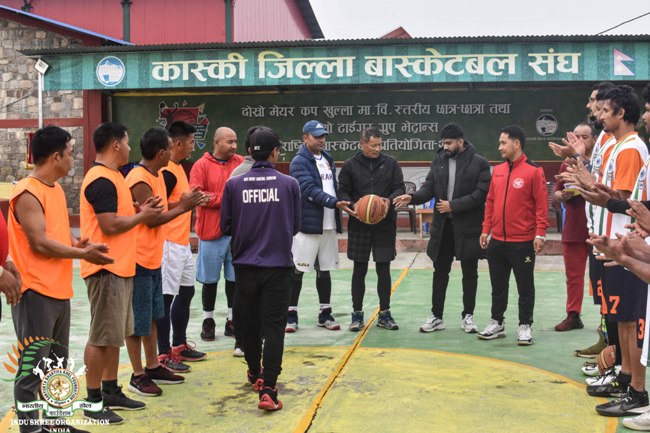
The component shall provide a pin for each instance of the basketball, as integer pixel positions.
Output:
(606, 359)
(370, 209)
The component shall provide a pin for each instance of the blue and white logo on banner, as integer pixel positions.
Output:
(110, 71)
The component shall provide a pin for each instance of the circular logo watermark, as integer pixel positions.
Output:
(546, 125)
(110, 71)
(60, 387)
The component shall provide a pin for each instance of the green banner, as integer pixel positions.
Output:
(340, 65)
(409, 120)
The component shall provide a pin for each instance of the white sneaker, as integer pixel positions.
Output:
(604, 379)
(433, 323)
(238, 352)
(493, 330)
(590, 369)
(468, 325)
(524, 335)
(641, 422)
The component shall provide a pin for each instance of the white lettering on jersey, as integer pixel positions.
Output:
(260, 195)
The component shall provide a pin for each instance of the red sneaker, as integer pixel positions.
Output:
(269, 399)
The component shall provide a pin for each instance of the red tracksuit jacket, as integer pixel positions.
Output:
(516, 209)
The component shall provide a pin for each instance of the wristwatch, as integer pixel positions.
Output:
(543, 238)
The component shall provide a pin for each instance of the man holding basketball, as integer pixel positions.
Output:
(371, 172)
(315, 246)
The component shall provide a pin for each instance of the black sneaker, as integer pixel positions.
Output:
(229, 329)
(161, 376)
(326, 320)
(386, 321)
(631, 403)
(207, 330)
(269, 399)
(117, 400)
(616, 388)
(104, 416)
(143, 385)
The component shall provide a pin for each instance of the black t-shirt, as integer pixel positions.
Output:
(170, 181)
(101, 193)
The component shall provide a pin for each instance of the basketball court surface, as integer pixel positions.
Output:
(376, 380)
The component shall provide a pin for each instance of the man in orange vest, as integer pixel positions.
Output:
(108, 216)
(146, 182)
(42, 246)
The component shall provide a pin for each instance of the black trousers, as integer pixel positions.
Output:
(262, 300)
(39, 316)
(441, 269)
(504, 257)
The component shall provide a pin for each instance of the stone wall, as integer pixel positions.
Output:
(19, 100)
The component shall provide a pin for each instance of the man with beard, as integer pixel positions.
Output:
(459, 179)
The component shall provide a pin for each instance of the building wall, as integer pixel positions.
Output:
(268, 20)
(19, 105)
(152, 21)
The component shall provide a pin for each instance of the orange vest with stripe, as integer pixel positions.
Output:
(48, 276)
(178, 229)
(149, 249)
(121, 246)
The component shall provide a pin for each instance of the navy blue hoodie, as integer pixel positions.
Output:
(261, 211)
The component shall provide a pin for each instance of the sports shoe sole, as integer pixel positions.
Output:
(188, 359)
(208, 338)
(167, 382)
(629, 412)
(602, 392)
(291, 329)
(111, 407)
(331, 327)
(266, 403)
(524, 342)
(356, 329)
(491, 337)
(390, 328)
(469, 330)
(586, 356)
(238, 353)
(135, 390)
(433, 329)
(632, 424)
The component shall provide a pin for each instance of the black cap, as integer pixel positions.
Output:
(264, 140)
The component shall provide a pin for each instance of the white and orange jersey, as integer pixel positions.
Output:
(599, 158)
(621, 173)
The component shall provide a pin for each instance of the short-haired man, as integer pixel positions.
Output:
(107, 216)
(608, 330)
(42, 246)
(459, 180)
(315, 247)
(248, 162)
(623, 292)
(371, 172)
(210, 174)
(575, 249)
(145, 182)
(178, 263)
(261, 211)
(516, 218)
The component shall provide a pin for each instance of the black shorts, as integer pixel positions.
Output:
(595, 273)
(624, 294)
(380, 240)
